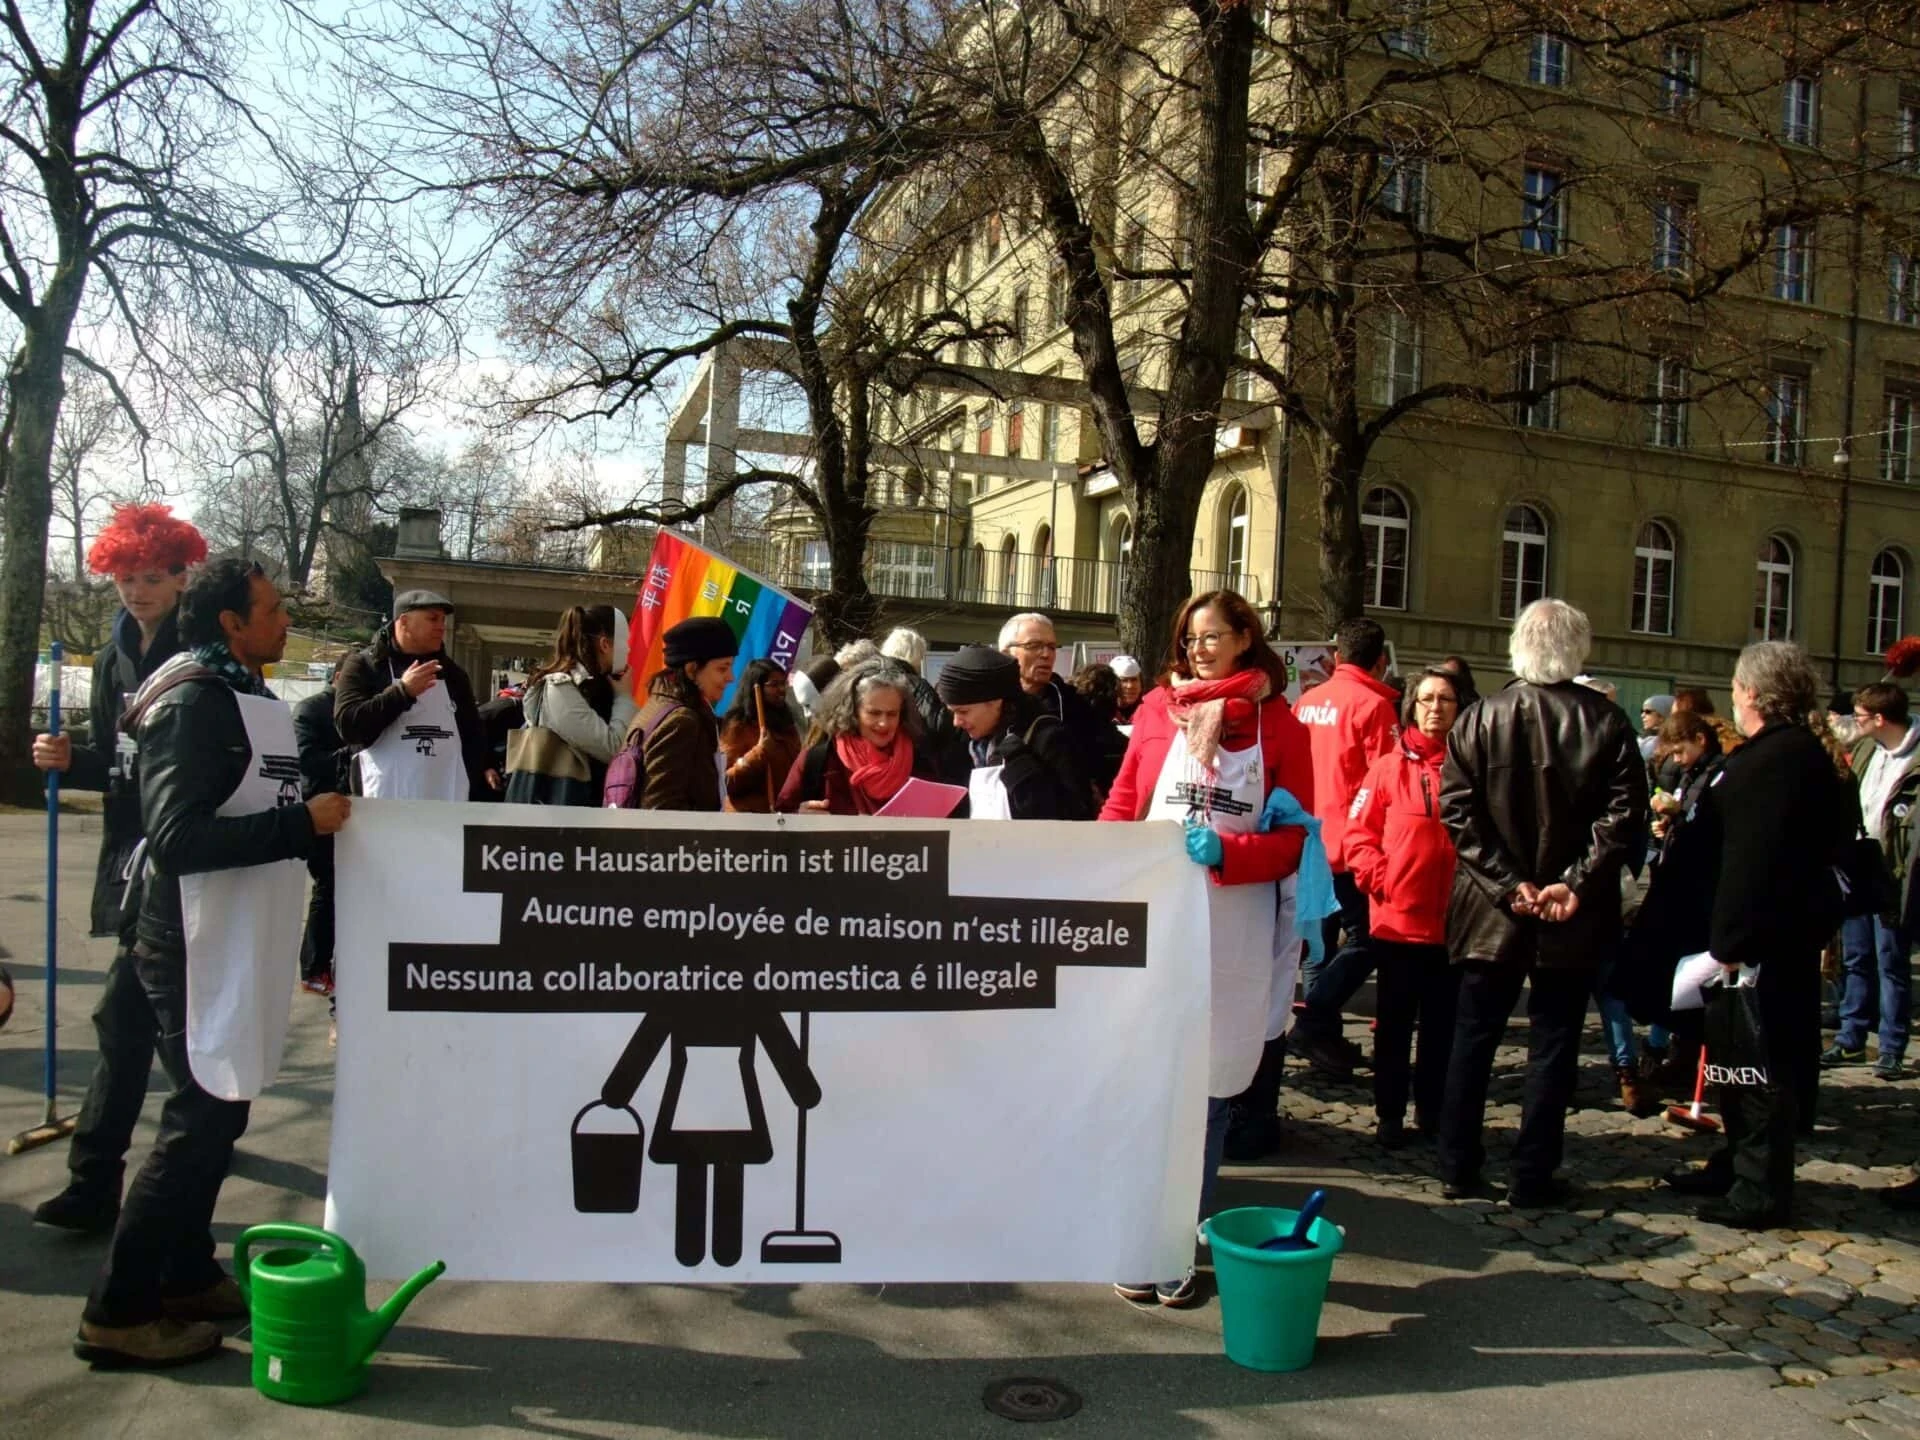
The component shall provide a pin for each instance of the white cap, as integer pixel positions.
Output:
(1125, 666)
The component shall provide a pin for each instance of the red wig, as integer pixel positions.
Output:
(1904, 658)
(145, 537)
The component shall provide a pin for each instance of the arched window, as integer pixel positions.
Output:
(976, 577)
(1009, 568)
(1886, 601)
(1386, 533)
(1523, 560)
(1773, 590)
(1234, 548)
(1043, 563)
(1119, 556)
(1653, 562)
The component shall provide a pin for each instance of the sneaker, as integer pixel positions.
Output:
(1178, 1294)
(221, 1300)
(1888, 1067)
(322, 985)
(152, 1346)
(1838, 1054)
(79, 1212)
(1140, 1293)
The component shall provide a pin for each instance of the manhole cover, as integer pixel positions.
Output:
(1028, 1398)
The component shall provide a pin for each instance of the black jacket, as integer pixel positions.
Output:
(193, 755)
(942, 740)
(118, 671)
(1097, 746)
(1675, 919)
(1544, 785)
(1780, 814)
(367, 698)
(325, 765)
(1043, 778)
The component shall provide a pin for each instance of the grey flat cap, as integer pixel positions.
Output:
(420, 600)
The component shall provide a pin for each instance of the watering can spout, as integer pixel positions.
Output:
(373, 1326)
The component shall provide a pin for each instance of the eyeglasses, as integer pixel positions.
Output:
(1862, 717)
(1037, 647)
(1433, 702)
(1209, 641)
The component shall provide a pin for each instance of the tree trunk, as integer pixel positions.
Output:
(36, 385)
(1342, 558)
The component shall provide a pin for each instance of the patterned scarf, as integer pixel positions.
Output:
(1220, 713)
(217, 658)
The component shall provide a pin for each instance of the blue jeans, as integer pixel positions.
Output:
(1869, 944)
(1332, 983)
(1622, 1050)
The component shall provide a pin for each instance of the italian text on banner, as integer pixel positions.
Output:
(642, 1046)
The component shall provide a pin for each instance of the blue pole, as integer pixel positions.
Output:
(53, 866)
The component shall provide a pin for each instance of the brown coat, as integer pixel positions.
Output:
(679, 758)
(753, 780)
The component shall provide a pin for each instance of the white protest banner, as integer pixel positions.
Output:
(645, 1046)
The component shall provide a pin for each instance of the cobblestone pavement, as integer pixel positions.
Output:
(1833, 1306)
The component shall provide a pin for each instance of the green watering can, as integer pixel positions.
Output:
(312, 1331)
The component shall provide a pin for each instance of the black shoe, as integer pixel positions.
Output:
(1551, 1194)
(1706, 1180)
(1888, 1067)
(1467, 1187)
(1331, 1056)
(1902, 1197)
(1739, 1217)
(1392, 1134)
(1251, 1138)
(80, 1212)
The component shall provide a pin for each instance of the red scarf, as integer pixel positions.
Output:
(1220, 714)
(1422, 746)
(874, 775)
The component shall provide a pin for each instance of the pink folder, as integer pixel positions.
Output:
(924, 800)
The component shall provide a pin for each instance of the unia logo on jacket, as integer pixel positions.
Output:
(1359, 803)
(1324, 713)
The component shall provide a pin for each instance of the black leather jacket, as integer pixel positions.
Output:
(1543, 784)
(368, 697)
(193, 755)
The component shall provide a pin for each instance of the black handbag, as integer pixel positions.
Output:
(1736, 1038)
(1866, 882)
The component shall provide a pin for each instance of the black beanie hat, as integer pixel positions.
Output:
(697, 640)
(978, 674)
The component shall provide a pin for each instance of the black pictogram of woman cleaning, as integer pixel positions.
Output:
(716, 1122)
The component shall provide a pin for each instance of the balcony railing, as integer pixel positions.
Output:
(1011, 580)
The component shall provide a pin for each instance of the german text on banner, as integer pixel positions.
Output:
(684, 580)
(643, 1046)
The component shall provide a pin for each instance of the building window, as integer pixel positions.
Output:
(1234, 536)
(1049, 432)
(1653, 560)
(1903, 287)
(1409, 36)
(1009, 569)
(1385, 531)
(1241, 379)
(1800, 109)
(1547, 61)
(1403, 188)
(1133, 248)
(1679, 77)
(1016, 426)
(816, 565)
(1667, 420)
(1886, 601)
(1538, 408)
(897, 568)
(1673, 235)
(1396, 371)
(1523, 560)
(966, 260)
(1906, 136)
(985, 432)
(1543, 211)
(1056, 297)
(1786, 419)
(1043, 564)
(1773, 590)
(1793, 264)
(995, 233)
(1896, 440)
(1022, 306)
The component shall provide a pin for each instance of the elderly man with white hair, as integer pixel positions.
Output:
(1030, 639)
(1545, 795)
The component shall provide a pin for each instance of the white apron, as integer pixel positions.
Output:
(242, 927)
(987, 793)
(417, 757)
(1242, 916)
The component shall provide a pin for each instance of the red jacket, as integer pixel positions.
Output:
(1399, 851)
(1352, 719)
(1245, 859)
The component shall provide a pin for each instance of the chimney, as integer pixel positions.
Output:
(419, 537)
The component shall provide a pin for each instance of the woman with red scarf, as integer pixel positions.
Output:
(1211, 742)
(1402, 858)
(868, 724)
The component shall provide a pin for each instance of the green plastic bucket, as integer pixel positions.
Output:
(1270, 1299)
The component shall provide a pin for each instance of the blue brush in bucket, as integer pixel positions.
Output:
(1297, 1240)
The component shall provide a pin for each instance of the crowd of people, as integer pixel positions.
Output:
(1465, 851)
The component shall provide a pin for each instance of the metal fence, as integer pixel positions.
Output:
(974, 575)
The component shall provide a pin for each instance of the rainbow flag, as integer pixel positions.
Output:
(684, 580)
